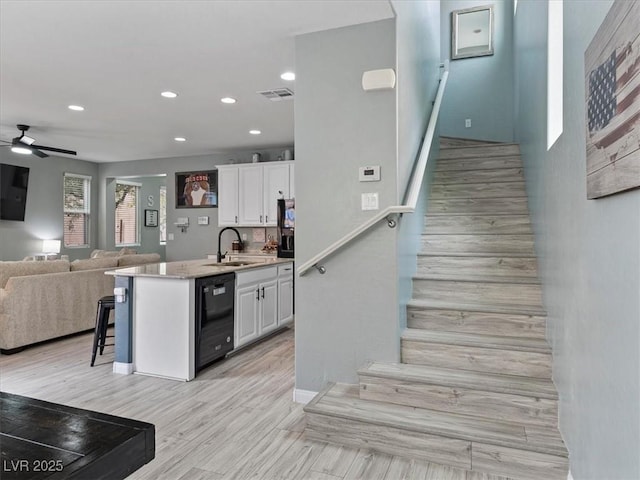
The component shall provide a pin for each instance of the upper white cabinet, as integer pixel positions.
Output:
(228, 196)
(248, 193)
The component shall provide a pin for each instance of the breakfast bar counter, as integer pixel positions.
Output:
(157, 314)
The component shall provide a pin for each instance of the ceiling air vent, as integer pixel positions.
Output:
(277, 94)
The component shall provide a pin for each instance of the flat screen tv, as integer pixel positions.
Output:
(14, 181)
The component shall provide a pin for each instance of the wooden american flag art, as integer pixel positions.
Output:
(612, 66)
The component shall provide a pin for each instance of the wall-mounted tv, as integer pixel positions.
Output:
(14, 182)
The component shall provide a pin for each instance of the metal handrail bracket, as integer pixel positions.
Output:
(389, 213)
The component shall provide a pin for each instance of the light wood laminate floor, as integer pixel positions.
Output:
(236, 420)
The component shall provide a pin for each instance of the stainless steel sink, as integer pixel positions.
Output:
(229, 264)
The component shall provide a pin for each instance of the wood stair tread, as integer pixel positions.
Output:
(493, 382)
(342, 401)
(476, 307)
(436, 253)
(479, 278)
(522, 344)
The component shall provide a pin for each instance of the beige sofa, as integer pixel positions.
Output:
(42, 300)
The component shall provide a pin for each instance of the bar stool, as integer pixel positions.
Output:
(105, 305)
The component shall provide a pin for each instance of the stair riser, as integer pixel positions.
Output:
(478, 190)
(390, 440)
(449, 165)
(527, 326)
(495, 266)
(492, 405)
(451, 142)
(487, 244)
(478, 206)
(463, 454)
(478, 224)
(479, 176)
(520, 464)
(507, 362)
(480, 152)
(478, 292)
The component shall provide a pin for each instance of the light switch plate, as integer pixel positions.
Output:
(203, 220)
(370, 201)
(170, 236)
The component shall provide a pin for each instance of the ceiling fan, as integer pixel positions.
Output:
(26, 145)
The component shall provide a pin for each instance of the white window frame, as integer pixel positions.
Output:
(137, 214)
(86, 211)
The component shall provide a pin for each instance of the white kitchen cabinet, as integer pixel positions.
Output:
(292, 190)
(246, 315)
(275, 185)
(256, 304)
(250, 199)
(228, 196)
(248, 193)
(285, 294)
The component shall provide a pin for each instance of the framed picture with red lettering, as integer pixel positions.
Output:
(197, 189)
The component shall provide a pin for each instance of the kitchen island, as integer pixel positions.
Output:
(157, 311)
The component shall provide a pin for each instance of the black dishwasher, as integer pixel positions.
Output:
(215, 298)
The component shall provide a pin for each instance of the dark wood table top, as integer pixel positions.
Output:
(44, 440)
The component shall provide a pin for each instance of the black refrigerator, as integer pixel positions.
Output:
(286, 227)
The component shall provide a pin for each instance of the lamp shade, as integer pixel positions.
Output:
(51, 246)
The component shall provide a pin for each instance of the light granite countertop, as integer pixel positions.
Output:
(194, 268)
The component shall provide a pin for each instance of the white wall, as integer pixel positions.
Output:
(418, 59)
(348, 315)
(589, 257)
(480, 88)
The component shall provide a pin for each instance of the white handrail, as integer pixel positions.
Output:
(411, 197)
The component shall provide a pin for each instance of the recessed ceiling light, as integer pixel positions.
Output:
(169, 94)
(289, 76)
(76, 108)
(255, 132)
(180, 139)
(228, 100)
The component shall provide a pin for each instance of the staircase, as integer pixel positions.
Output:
(474, 388)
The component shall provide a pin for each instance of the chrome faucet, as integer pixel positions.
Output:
(221, 255)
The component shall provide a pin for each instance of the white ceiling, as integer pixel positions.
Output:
(115, 57)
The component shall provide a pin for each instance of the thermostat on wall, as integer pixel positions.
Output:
(369, 174)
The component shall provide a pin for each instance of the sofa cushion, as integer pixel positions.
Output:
(93, 263)
(104, 253)
(127, 251)
(21, 269)
(138, 259)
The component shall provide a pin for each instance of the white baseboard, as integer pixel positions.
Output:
(123, 368)
(303, 396)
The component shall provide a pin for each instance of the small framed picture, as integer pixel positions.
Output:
(151, 218)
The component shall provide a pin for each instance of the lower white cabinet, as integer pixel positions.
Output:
(285, 294)
(258, 303)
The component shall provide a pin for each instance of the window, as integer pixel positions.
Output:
(554, 72)
(127, 194)
(76, 207)
(163, 215)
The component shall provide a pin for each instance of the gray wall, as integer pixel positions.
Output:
(44, 212)
(348, 315)
(198, 240)
(480, 88)
(589, 257)
(418, 57)
(149, 236)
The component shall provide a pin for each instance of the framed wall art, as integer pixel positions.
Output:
(197, 189)
(612, 90)
(472, 32)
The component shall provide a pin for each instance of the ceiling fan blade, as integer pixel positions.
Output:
(37, 152)
(57, 150)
